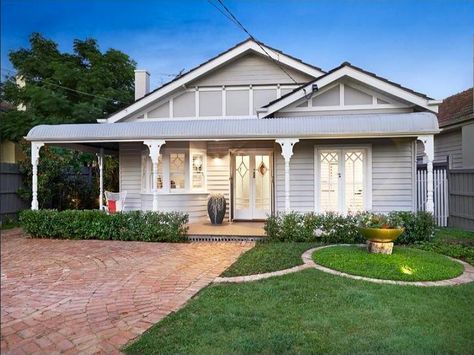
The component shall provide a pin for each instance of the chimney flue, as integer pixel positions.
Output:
(142, 83)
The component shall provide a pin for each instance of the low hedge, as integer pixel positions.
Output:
(337, 228)
(94, 224)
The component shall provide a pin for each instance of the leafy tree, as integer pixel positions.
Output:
(61, 87)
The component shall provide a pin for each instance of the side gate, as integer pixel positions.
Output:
(440, 191)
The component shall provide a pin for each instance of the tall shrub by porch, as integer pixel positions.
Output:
(94, 224)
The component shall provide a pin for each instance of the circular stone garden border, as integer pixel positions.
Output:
(308, 262)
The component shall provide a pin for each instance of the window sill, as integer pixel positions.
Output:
(178, 193)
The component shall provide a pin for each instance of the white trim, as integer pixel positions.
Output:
(160, 193)
(200, 118)
(342, 99)
(250, 100)
(327, 136)
(171, 108)
(248, 46)
(154, 147)
(368, 173)
(203, 152)
(342, 108)
(356, 75)
(196, 102)
(287, 145)
(35, 155)
(224, 102)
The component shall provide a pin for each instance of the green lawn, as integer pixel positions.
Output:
(314, 312)
(452, 242)
(266, 257)
(405, 264)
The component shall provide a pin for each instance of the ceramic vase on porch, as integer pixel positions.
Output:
(216, 208)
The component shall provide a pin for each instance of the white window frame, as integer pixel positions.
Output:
(192, 152)
(184, 151)
(147, 171)
(367, 170)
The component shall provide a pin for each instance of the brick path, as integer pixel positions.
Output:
(467, 275)
(95, 296)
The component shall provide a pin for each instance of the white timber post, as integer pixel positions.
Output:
(428, 143)
(154, 147)
(35, 149)
(100, 159)
(287, 151)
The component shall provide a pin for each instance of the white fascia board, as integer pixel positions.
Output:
(240, 138)
(357, 75)
(217, 62)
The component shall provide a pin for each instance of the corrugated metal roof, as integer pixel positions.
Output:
(368, 125)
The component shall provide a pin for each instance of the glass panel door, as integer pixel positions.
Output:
(342, 179)
(252, 186)
(242, 181)
(329, 180)
(263, 185)
(354, 180)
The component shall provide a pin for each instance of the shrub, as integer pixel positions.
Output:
(297, 227)
(419, 226)
(94, 224)
(337, 228)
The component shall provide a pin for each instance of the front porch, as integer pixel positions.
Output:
(313, 164)
(204, 229)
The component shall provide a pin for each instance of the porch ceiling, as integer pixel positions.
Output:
(333, 126)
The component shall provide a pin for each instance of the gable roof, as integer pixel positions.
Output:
(248, 45)
(456, 108)
(347, 69)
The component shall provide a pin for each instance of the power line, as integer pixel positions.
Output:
(45, 81)
(222, 12)
(81, 92)
(235, 21)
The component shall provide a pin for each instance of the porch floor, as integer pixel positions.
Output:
(236, 229)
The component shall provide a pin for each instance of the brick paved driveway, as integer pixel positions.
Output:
(95, 296)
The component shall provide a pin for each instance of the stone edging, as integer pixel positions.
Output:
(466, 277)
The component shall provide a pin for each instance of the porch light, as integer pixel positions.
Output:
(198, 162)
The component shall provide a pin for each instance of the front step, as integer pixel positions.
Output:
(224, 238)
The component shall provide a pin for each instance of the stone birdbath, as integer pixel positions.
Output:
(380, 232)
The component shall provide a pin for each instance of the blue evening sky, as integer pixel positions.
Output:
(425, 45)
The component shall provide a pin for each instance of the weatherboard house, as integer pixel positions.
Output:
(270, 132)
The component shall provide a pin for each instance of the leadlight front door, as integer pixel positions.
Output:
(252, 185)
(341, 177)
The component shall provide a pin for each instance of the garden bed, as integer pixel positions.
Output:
(94, 224)
(405, 264)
